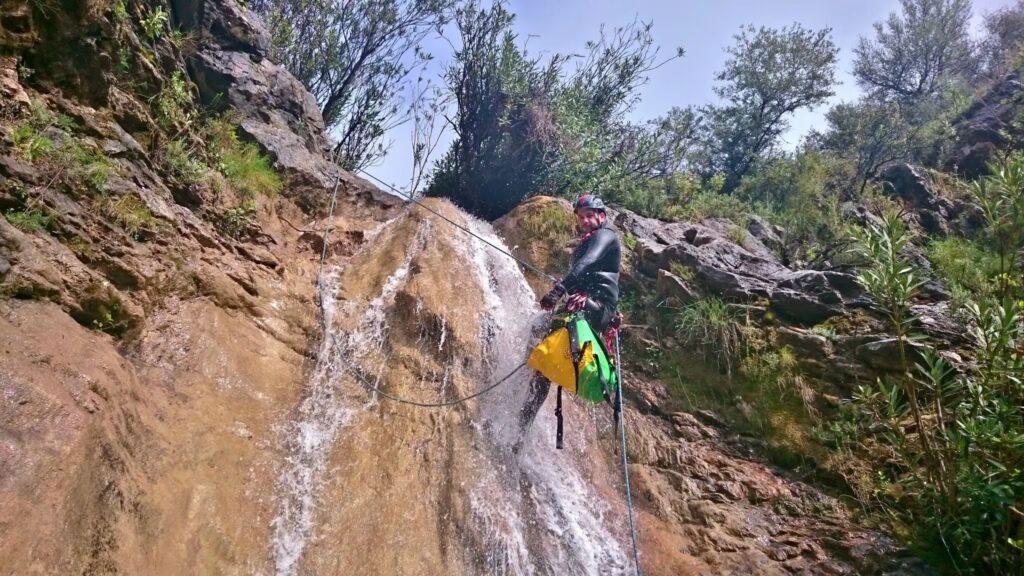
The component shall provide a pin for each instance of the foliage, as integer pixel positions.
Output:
(776, 388)
(248, 172)
(30, 143)
(915, 51)
(27, 220)
(770, 75)
(174, 106)
(132, 214)
(629, 240)
(180, 161)
(354, 58)
(1001, 197)
(713, 326)
(968, 509)
(970, 444)
(154, 24)
(524, 126)
(236, 221)
(46, 137)
(1004, 38)
(964, 264)
(870, 134)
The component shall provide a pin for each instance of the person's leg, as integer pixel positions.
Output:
(539, 386)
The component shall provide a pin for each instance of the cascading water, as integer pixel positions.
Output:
(537, 512)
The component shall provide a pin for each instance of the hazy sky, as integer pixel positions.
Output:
(704, 29)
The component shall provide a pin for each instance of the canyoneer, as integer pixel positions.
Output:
(573, 354)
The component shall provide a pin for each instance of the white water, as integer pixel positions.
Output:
(531, 514)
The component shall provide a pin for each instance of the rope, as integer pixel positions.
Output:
(625, 457)
(327, 230)
(365, 382)
(412, 199)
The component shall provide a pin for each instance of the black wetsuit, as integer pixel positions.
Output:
(593, 270)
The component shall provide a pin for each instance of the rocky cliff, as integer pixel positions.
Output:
(176, 401)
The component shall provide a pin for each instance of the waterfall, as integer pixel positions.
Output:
(532, 513)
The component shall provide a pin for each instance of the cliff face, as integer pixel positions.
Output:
(174, 401)
(150, 352)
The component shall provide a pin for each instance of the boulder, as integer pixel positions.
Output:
(804, 343)
(720, 266)
(672, 286)
(884, 354)
(224, 23)
(811, 296)
(769, 235)
(908, 183)
(987, 127)
(275, 109)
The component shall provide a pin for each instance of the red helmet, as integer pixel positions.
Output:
(589, 201)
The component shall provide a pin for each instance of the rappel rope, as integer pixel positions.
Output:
(376, 389)
(412, 199)
(625, 457)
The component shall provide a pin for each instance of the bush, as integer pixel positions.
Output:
(180, 162)
(27, 220)
(963, 264)
(134, 216)
(236, 221)
(247, 170)
(174, 106)
(713, 326)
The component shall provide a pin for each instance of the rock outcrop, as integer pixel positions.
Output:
(176, 402)
(988, 126)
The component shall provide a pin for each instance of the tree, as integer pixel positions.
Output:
(770, 74)
(870, 134)
(524, 125)
(353, 56)
(1004, 37)
(914, 52)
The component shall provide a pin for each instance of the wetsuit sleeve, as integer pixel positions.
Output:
(602, 241)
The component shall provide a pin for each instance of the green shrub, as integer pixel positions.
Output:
(710, 204)
(180, 162)
(712, 326)
(629, 240)
(27, 220)
(174, 106)
(962, 263)
(248, 172)
(134, 216)
(86, 167)
(30, 143)
(153, 25)
(236, 221)
(682, 271)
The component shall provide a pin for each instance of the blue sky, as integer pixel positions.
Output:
(704, 29)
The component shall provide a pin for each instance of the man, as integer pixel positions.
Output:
(592, 284)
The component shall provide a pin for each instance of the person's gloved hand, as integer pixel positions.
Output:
(550, 299)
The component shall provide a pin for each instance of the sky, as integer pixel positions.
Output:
(704, 29)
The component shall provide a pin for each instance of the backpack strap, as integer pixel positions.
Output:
(558, 416)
